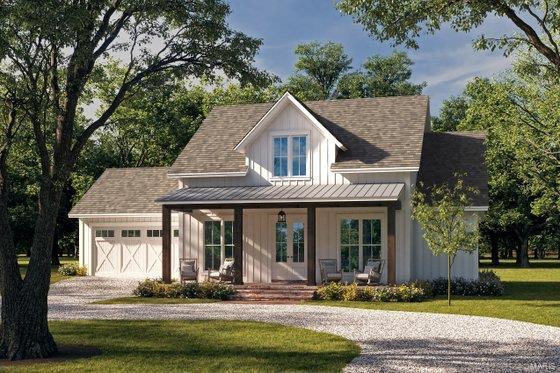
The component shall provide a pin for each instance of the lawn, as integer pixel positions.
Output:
(164, 346)
(153, 300)
(55, 276)
(531, 294)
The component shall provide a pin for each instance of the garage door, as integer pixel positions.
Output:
(133, 256)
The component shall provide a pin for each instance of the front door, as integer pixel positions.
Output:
(289, 248)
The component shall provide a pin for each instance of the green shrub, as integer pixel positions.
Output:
(72, 269)
(409, 292)
(488, 284)
(208, 290)
(332, 291)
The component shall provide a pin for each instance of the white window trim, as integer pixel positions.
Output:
(290, 135)
(360, 217)
(222, 239)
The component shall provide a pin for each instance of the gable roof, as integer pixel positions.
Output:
(377, 132)
(269, 116)
(125, 191)
(445, 154)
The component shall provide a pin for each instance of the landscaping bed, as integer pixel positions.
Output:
(530, 294)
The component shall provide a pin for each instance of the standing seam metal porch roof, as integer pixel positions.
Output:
(284, 193)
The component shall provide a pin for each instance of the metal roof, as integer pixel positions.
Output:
(285, 193)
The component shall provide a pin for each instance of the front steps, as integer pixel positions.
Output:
(277, 292)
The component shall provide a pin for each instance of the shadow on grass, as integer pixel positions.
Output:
(543, 291)
(454, 355)
(207, 345)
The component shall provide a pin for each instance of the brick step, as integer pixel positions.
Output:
(276, 294)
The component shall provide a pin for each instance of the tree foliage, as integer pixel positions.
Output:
(381, 76)
(324, 71)
(402, 22)
(57, 50)
(440, 211)
(318, 69)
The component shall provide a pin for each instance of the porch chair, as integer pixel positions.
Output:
(329, 271)
(372, 272)
(188, 270)
(225, 273)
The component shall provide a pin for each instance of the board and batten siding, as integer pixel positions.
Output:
(259, 249)
(428, 266)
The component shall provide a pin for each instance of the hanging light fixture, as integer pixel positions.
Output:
(281, 217)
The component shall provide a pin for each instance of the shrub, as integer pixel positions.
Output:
(209, 290)
(488, 284)
(332, 291)
(409, 292)
(72, 269)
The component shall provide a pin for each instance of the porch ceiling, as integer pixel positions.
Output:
(285, 194)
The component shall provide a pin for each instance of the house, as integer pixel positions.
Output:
(278, 186)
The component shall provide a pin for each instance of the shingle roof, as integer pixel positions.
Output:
(282, 193)
(445, 154)
(126, 190)
(378, 132)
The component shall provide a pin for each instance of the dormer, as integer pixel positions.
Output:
(285, 141)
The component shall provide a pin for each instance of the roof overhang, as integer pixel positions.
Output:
(195, 175)
(276, 194)
(371, 170)
(286, 99)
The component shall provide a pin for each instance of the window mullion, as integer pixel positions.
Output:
(290, 171)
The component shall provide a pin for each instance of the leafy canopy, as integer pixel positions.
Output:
(318, 69)
(537, 21)
(440, 211)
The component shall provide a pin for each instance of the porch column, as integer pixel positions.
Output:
(238, 244)
(311, 252)
(166, 244)
(391, 245)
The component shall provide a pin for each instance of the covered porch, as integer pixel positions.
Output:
(316, 210)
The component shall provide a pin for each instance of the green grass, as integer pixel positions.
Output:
(55, 276)
(164, 346)
(152, 300)
(531, 294)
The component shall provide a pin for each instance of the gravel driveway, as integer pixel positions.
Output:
(390, 340)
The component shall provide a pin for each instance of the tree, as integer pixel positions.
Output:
(451, 114)
(402, 22)
(318, 69)
(381, 76)
(440, 211)
(56, 49)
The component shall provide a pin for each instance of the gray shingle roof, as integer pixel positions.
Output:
(445, 154)
(126, 191)
(279, 193)
(378, 132)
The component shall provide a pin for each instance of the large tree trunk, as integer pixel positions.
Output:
(523, 252)
(495, 250)
(55, 252)
(25, 332)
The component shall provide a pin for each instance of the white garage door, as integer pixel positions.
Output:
(133, 257)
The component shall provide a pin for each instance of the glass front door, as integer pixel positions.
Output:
(289, 245)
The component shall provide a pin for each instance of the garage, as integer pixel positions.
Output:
(128, 252)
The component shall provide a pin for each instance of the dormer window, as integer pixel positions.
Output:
(290, 156)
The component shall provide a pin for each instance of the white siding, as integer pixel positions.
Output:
(428, 266)
(259, 250)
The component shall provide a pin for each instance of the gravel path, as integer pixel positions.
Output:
(390, 340)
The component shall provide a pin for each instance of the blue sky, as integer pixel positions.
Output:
(446, 60)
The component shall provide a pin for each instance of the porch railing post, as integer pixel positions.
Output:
(166, 244)
(311, 249)
(391, 245)
(238, 245)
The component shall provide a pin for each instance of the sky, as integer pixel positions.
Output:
(446, 60)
